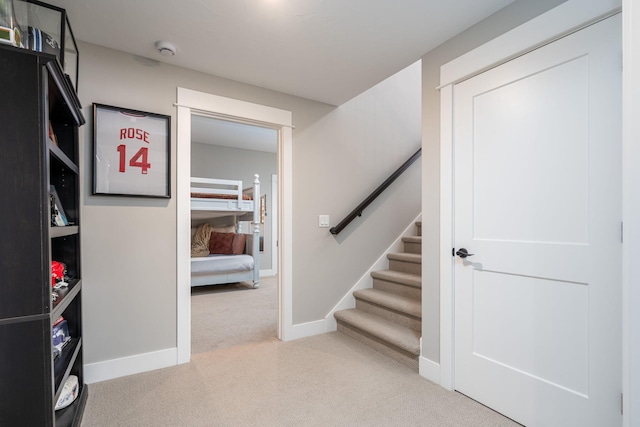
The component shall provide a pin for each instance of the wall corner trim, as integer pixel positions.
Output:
(429, 370)
(303, 330)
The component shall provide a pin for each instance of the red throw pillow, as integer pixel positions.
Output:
(239, 241)
(221, 243)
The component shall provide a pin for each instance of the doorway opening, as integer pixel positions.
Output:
(226, 110)
(233, 313)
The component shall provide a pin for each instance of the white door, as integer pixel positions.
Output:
(537, 155)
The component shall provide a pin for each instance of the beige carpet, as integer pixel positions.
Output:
(226, 315)
(255, 380)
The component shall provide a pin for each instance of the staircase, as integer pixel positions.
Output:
(388, 317)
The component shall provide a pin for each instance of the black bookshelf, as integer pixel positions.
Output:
(38, 100)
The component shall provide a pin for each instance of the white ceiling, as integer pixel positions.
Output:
(324, 50)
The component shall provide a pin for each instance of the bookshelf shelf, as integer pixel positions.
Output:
(67, 230)
(65, 297)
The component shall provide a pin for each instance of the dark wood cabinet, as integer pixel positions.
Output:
(39, 119)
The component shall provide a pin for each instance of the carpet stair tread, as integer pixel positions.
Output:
(412, 239)
(387, 317)
(406, 257)
(407, 279)
(392, 333)
(401, 304)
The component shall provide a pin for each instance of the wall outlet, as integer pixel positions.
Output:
(323, 221)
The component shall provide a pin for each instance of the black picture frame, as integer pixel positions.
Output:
(131, 152)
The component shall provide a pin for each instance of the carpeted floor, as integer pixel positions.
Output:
(256, 380)
(226, 315)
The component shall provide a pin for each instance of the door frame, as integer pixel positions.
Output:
(274, 224)
(189, 101)
(630, 213)
(565, 19)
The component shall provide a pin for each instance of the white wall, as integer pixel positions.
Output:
(338, 162)
(504, 20)
(212, 161)
(339, 155)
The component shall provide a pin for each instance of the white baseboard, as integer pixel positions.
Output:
(429, 369)
(303, 330)
(115, 368)
(366, 281)
(267, 273)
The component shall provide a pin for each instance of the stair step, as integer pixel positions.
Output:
(408, 285)
(395, 308)
(412, 244)
(412, 239)
(403, 256)
(406, 279)
(405, 262)
(404, 305)
(396, 337)
(388, 317)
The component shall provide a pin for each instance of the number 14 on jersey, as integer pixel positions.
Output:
(138, 160)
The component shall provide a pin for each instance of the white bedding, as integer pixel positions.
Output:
(214, 264)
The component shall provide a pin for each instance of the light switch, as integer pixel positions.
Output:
(323, 221)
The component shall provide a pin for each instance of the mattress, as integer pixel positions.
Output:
(220, 196)
(220, 264)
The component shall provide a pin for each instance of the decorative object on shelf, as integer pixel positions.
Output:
(10, 22)
(69, 393)
(52, 135)
(58, 275)
(59, 335)
(49, 31)
(58, 216)
(131, 152)
(41, 27)
(43, 42)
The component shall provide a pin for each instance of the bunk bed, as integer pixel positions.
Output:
(226, 199)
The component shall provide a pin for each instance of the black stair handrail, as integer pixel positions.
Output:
(358, 210)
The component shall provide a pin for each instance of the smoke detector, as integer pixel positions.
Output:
(165, 48)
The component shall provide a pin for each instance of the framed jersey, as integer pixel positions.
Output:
(131, 152)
